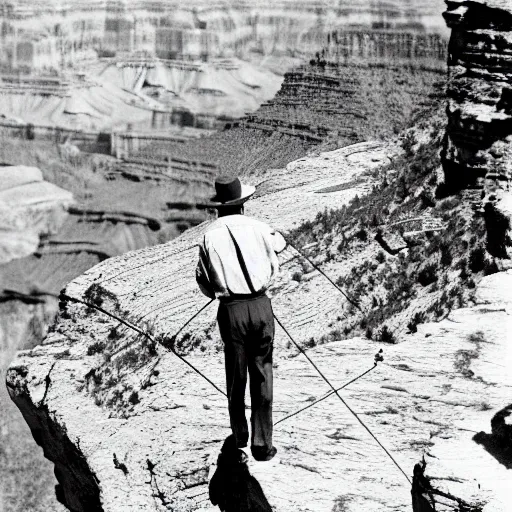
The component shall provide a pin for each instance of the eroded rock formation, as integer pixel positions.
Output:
(29, 208)
(143, 430)
(478, 149)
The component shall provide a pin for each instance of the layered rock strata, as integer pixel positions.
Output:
(130, 427)
(478, 148)
(30, 207)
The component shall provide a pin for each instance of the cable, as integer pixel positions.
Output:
(144, 333)
(325, 396)
(171, 349)
(352, 301)
(343, 401)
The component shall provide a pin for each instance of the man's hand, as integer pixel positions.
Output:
(278, 242)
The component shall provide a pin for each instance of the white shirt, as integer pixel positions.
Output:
(220, 270)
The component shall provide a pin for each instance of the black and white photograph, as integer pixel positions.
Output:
(255, 256)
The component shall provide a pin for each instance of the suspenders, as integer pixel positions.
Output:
(241, 262)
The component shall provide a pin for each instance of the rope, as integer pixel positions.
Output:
(147, 335)
(316, 267)
(343, 401)
(171, 349)
(325, 396)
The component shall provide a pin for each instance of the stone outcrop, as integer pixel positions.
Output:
(478, 148)
(125, 422)
(29, 208)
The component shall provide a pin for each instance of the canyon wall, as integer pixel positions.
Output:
(478, 147)
(196, 65)
(52, 36)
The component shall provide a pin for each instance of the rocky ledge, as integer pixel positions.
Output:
(129, 426)
(479, 132)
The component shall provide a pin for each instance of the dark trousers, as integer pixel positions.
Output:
(247, 330)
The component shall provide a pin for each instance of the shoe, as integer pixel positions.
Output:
(261, 453)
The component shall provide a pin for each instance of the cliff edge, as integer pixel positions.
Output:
(131, 427)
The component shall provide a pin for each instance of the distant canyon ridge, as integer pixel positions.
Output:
(86, 69)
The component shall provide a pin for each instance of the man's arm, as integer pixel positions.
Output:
(202, 278)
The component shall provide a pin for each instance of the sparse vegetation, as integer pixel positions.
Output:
(95, 348)
(451, 259)
(427, 275)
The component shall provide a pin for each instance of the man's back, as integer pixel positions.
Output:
(238, 256)
(237, 262)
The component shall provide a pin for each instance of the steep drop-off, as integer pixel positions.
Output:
(143, 430)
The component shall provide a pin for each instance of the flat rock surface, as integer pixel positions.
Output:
(131, 427)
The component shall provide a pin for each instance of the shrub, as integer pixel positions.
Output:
(381, 257)
(386, 335)
(407, 144)
(477, 260)
(362, 235)
(374, 221)
(497, 226)
(134, 398)
(418, 318)
(446, 256)
(95, 348)
(309, 343)
(297, 276)
(427, 275)
(490, 267)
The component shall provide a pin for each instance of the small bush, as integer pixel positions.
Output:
(95, 348)
(362, 235)
(381, 257)
(477, 260)
(490, 267)
(418, 318)
(134, 398)
(497, 226)
(446, 256)
(309, 343)
(386, 335)
(113, 334)
(297, 276)
(427, 275)
(408, 143)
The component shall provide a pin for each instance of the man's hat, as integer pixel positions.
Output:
(230, 192)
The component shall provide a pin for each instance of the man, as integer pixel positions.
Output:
(237, 263)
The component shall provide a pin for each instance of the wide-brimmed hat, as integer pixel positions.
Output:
(230, 192)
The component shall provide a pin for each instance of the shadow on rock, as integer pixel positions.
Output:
(499, 442)
(232, 488)
(421, 491)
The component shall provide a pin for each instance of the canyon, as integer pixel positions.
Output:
(88, 69)
(420, 403)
